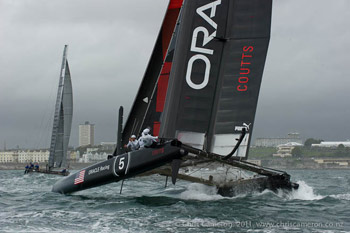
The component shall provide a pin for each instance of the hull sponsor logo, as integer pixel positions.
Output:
(201, 51)
(157, 152)
(98, 169)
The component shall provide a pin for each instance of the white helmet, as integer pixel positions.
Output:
(145, 131)
(133, 136)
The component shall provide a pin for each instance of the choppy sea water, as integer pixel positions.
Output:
(322, 204)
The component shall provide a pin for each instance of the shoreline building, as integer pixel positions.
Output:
(24, 156)
(93, 155)
(274, 142)
(285, 150)
(108, 146)
(86, 134)
(329, 144)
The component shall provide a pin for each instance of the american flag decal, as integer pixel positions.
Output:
(79, 177)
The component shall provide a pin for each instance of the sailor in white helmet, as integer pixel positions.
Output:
(141, 144)
(133, 144)
(140, 141)
(147, 140)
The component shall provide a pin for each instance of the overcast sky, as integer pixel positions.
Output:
(304, 88)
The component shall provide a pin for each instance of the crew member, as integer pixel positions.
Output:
(147, 139)
(27, 169)
(133, 144)
(36, 167)
(141, 144)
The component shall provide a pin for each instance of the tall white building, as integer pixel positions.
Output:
(86, 134)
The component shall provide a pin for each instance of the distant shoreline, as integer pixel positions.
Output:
(274, 164)
(21, 166)
(294, 163)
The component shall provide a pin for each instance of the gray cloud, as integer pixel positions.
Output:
(306, 75)
(304, 87)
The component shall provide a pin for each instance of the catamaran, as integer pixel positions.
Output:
(62, 123)
(199, 95)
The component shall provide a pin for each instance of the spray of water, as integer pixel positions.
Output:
(200, 192)
(345, 196)
(304, 192)
(205, 193)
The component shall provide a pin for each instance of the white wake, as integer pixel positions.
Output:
(304, 192)
(200, 192)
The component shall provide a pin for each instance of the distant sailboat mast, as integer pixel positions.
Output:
(63, 117)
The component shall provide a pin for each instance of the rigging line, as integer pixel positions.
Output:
(163, 62)
(200, 167)
(42, 128)
(46, 111)
(151, 97)
(133, 127)
(237, 173)
(47, 127)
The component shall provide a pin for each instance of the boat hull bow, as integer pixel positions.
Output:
(118, 168)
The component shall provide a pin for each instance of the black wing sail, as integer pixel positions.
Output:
(157, 101)
(155, 80)
(216, 74)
